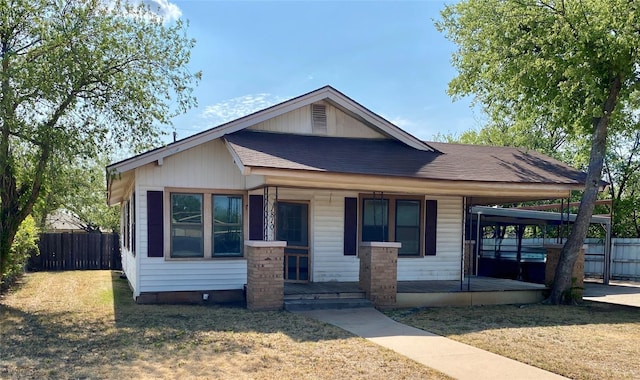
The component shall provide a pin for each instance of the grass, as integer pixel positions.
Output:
(85, 325)
(587, 341)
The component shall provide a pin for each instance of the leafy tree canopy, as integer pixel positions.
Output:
(78, 77)
(79, 188)
(542, 66)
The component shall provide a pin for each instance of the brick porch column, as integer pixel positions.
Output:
(379, 272)
(265, 280)
(553, 256)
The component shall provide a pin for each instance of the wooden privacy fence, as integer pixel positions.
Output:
(77, 251)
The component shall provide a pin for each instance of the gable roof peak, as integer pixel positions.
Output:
(325, 93)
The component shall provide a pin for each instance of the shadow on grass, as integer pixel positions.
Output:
(41, 343)
(216, 318)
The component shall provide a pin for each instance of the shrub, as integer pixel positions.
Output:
(24, 245)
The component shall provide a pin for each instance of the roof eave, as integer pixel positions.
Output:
(354, 181)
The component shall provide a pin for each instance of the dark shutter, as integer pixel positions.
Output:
(256, 217)
(430, 229)
(155, 220)
(350, 225)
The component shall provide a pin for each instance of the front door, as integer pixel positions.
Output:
(293, 227)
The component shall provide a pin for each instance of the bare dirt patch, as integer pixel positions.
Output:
(85, 325)
(589, 341)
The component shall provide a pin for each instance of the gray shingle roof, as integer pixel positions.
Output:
(454, 162)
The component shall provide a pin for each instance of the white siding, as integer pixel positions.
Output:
(329, 261)
(297, 121)
(445, 265)
(206, 166)
(339, 124)
(157, 274)
(342, 125)
(129, 268)
(129, 261)
(327, 235)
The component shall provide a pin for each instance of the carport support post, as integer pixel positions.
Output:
(606, 276)
(379, 272)
(265, 277)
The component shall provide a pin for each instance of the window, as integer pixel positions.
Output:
(204, 225)
(408, 227)
(227, 225)
(125, 224)
(128, 225)
(133, 224)
(394, 218)
(186, 225)
(375, 220)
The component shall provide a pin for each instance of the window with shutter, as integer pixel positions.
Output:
(155, 227)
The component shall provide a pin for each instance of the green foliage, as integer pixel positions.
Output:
(79, 78)
(80, 189)
(551, 71)
(24, 246)
(622, 171)
(573, 295)
(539, 65)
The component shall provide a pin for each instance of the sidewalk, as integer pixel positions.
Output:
(618, 292)
(455, 359)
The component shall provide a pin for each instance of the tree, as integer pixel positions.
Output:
(79, 188)
(622, 171)
(76, 77)
(568, 64)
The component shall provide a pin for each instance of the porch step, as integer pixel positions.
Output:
(326, 303)
(324, 296)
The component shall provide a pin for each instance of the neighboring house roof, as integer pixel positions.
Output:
(63, 220)
(452, 162)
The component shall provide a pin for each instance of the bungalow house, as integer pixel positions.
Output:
(305, 191)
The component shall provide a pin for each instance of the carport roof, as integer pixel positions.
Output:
(518, 216)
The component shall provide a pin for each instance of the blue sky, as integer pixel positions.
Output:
(386, 55)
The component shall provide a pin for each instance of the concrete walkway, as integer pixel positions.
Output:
(455, 359)
(618, 292)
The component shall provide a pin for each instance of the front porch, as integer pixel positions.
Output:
(473, 291)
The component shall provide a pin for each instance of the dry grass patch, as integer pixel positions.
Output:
(589, 341)
(85, 325)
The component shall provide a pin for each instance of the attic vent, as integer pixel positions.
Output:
(319, 119)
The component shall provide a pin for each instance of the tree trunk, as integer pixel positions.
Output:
(7, 236)
(562, 282)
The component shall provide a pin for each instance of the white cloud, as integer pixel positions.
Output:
(235, 108)
(419, 129)
(402, 122)
(163, 8)
(159, 10)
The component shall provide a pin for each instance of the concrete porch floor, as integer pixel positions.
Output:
(479, 291)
